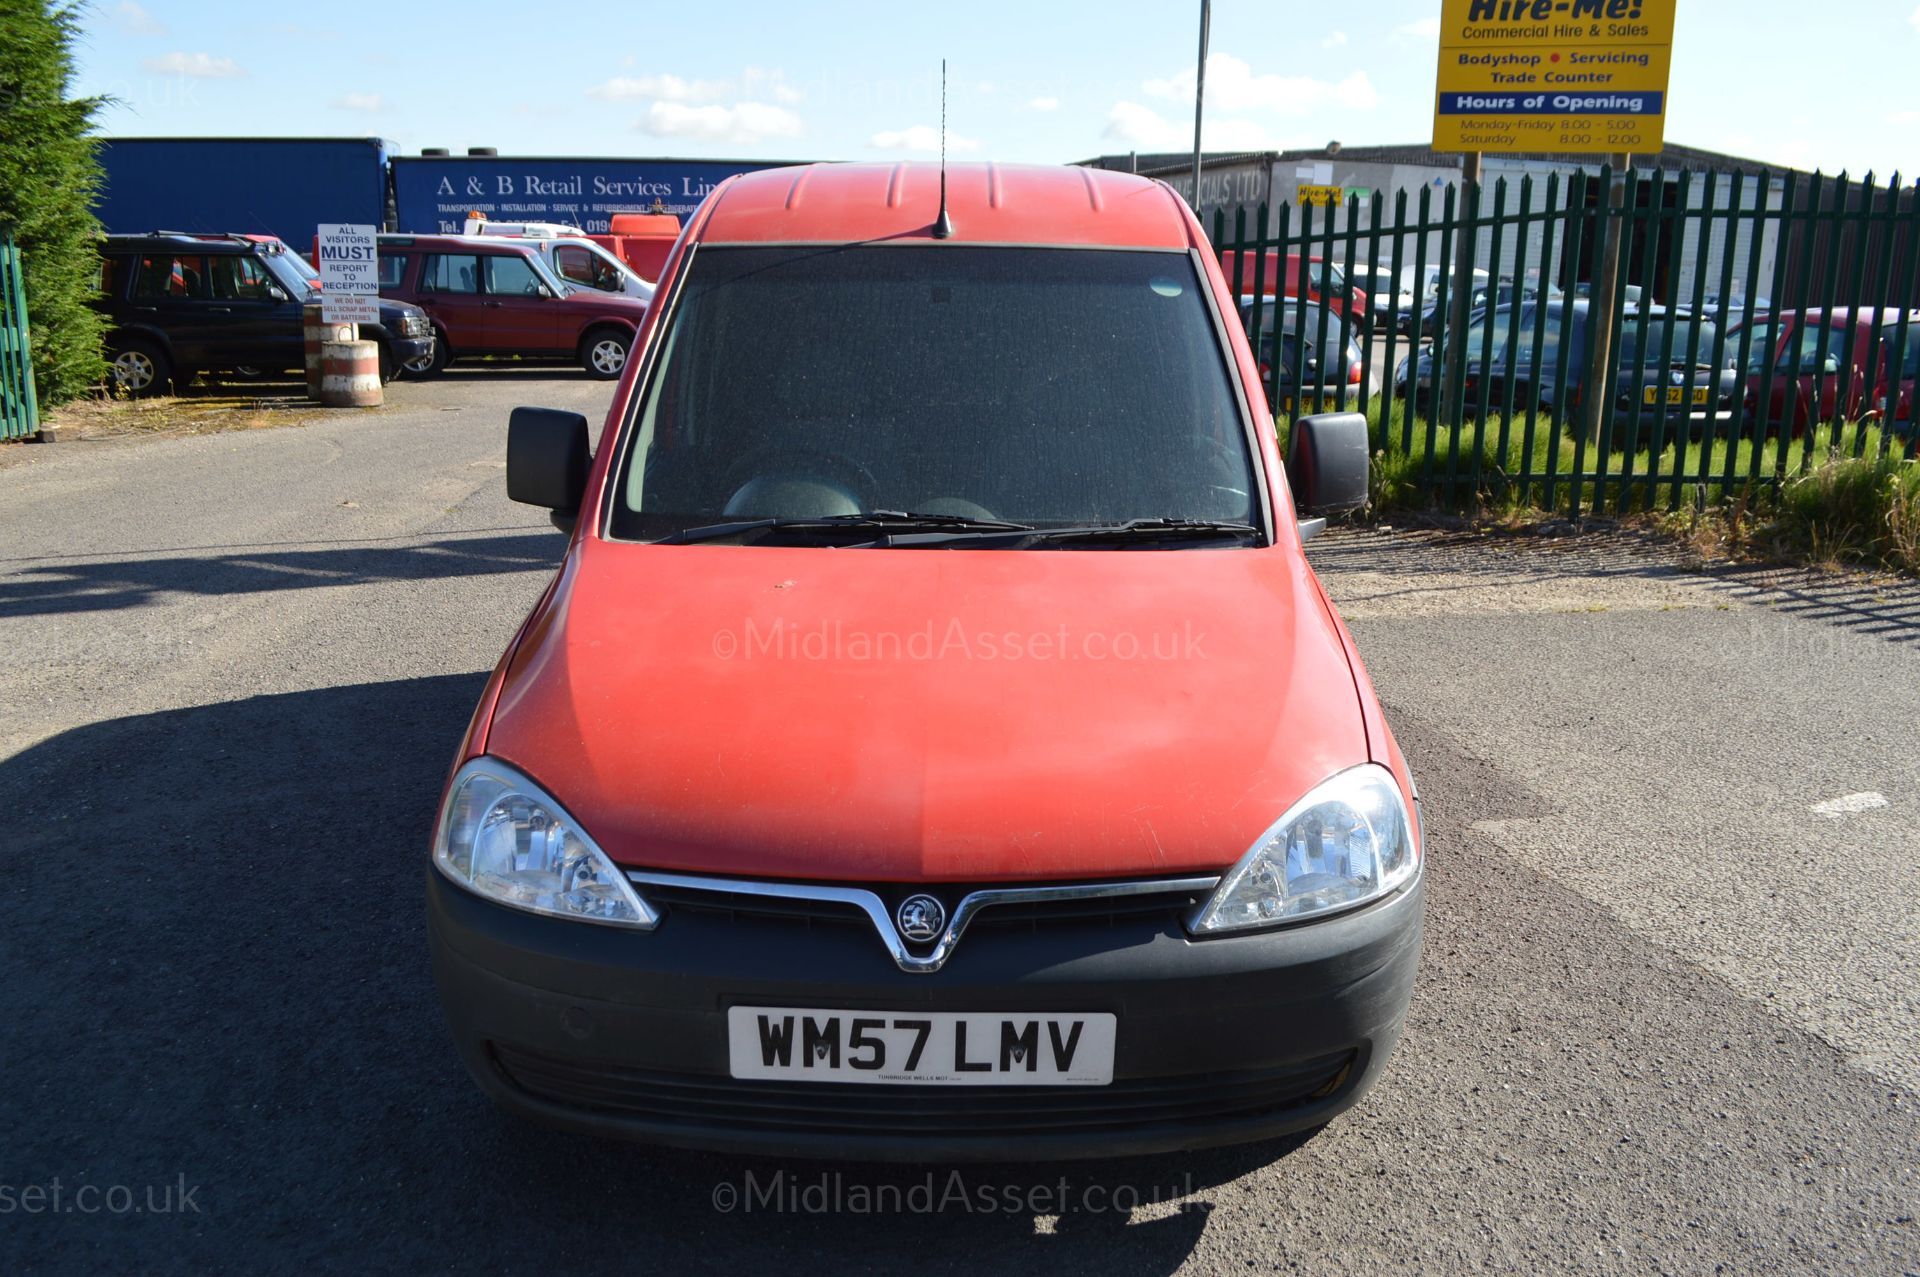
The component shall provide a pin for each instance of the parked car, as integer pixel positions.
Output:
(1321, 281)
(178, 305)
(496, 296)
(1383, 289)
(1899, 361)
(1433, 323)
(1630, 294)
(1733, 309)
(742, 852)
(571, 255)
(1419, 287)
(1310, 373)
(1826, 364)
(1674, 397)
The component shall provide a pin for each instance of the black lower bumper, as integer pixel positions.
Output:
(407, 349)
(1219, 1041)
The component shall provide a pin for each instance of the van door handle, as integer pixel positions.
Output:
(219, 310)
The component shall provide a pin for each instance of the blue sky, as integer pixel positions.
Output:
(1782, 81)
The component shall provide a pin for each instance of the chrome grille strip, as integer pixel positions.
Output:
(875, 908)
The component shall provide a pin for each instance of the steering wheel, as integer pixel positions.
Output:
(788, 460)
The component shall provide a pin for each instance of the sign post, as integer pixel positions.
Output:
(1563, 77)
(1458, 301)
(349, 275)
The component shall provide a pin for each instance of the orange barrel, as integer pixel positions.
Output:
(350, 374)
(317, 333)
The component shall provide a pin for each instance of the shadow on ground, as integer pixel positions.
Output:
(103, 585)
(1877, 607)
(217, 976)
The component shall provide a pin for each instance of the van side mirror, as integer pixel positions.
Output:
(1327, 462)
(547, 458)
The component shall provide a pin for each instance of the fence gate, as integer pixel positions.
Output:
(1763, 322)
(19, 410)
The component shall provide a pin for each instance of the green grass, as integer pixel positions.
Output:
(1829, 496)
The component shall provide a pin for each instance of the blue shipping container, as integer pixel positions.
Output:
(434, 194)
(248, 185)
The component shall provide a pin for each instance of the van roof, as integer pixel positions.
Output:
(502, 244)
(987, 203)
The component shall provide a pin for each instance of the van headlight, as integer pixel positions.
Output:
(1347, 842)
(505, 838)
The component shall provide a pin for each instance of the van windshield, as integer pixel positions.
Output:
(1040, 386)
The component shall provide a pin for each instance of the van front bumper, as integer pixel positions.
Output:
(1219, 1041)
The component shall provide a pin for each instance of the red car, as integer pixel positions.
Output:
(934, 743)
(1898, 362)
(1318, 279)
(1843, 381)
(498, 297)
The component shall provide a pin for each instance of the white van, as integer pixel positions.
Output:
(1424, 283)
(571, 255)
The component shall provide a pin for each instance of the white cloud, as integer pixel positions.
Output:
(1334, 40)
(1233, 87)
(1424, 29)
(1914, 18)
(196, 66)
(133, 16)
(658, 88)
(757, 82)
(754, 83)
(743, 123)
(367, 102)
(921, 137)
(1141, 128)
(1044, 104)
(1904, 117)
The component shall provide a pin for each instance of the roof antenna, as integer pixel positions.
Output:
(943, 225)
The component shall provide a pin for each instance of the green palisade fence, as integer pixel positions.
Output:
(19, 411)
(1773, 320)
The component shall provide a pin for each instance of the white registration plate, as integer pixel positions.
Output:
(973, 1048)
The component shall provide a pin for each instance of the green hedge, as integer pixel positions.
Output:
(49, 175)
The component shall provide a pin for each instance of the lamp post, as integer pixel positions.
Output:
(1199, 95)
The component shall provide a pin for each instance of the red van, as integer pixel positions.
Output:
(498, 297)
(1320, 280)
(642, 240)
(934, 743)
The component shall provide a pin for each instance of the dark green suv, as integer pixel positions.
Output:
(181, 304)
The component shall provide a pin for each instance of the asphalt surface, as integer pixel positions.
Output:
(1665, 1022)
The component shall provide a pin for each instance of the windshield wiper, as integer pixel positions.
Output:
(872, 520)
(1165, 529)
(1132, 532)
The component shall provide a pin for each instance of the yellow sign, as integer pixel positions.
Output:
(1553, 75)
(1331, 196)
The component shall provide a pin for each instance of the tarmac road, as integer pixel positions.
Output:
(1665, 1023)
